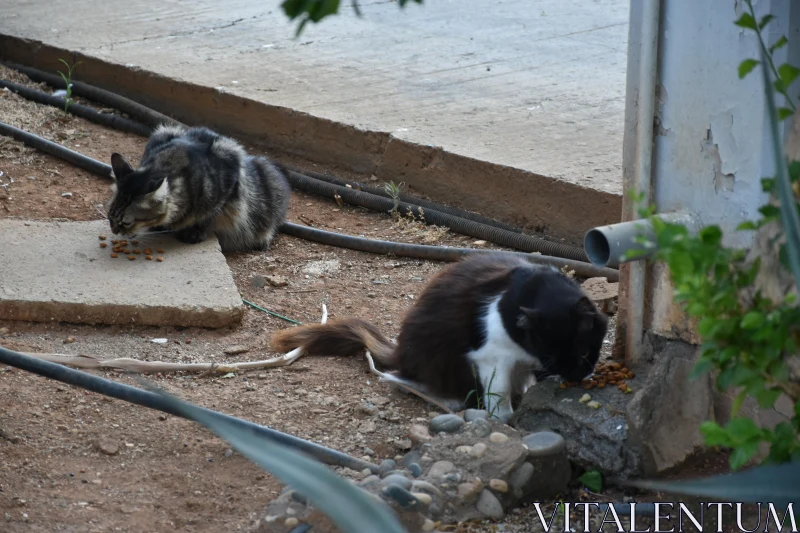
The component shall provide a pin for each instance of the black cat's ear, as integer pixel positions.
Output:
(153, 185)
(120, 167)
(528, 318)
(585, 314)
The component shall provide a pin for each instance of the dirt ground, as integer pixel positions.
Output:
(76, 461)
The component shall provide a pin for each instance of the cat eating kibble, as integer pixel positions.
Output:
(474, 327)
(196, 182)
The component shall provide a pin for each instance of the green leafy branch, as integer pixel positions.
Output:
(785, 74)
(316, 10)
(68, 101)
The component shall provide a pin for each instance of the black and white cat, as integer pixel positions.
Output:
(493, 315)
(197, 182)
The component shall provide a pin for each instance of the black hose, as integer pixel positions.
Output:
(416, 251)
(56, 150)
(105, 119)
(518, 241)
(436, 253)
(152, 400)
(138, 111)
(427, 204)
(455, 219)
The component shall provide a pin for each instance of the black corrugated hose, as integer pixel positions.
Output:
(458, 220)
(434, 253)
(106, 387)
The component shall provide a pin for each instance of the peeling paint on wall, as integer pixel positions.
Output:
(723, 182)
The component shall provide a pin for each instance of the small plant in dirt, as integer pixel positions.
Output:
(393, 190)
(747, 338)
(483, 400)
(68, 101)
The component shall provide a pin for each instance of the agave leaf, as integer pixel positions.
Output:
(777, 484)
(350, 508)
(789, 216)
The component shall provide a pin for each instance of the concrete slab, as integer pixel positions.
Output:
(504, 108)
(56, 271)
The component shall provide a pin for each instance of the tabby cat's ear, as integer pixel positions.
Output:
(120, 167)
(528, 318)
(585, 314)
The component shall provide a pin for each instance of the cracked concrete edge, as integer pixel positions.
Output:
(512, 195)
(208, 317)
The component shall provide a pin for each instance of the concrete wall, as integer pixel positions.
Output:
(711, 145)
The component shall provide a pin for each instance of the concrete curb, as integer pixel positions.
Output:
(512, 195)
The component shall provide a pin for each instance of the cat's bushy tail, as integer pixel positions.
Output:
(341, 337)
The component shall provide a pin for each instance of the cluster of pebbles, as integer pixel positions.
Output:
(461, 467)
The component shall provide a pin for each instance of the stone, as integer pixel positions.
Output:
(498, 485)
(291, 522)
(470, 415)
(419, 434)
(479, 450)
(480, 427)
(519, 479)
(595, 439)
(370, 481)
(235, 350)
(428, 525)
(498, 438)
(464, 449)
(193, 287)
(603, 293)
(544, 443)
(448, 423)
(469, 491)
(400, 495)
(488, 505)
(386, 466)
(107, 446)
(664, 415)
(258, 281)
(277, 281)
(423, 498)
(368, 426)
(440, 468)
(397, 479)
(415, 469)
(423, 486)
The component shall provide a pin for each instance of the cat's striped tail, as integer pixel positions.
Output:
(343, 337)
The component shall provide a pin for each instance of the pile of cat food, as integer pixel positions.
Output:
(606, 374)
(131, 249)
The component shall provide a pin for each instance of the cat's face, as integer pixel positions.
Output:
(140, 198)
(567, 338)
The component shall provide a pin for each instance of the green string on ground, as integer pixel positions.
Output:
(273, 313)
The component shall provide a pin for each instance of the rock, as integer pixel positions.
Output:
(479, 243)
(228, 453)
(419, 434)
(519, 479)
(470, 415)
(403, 444)
(66, 195)
(424, 486)
(488, 505)
(469, 491)
(380, 401)
(480, 428)
(397, 479)
(464, 449)
(291, 522)
(258, 281)
(368, 408)
(277, 281)
(665, 413)
(235, 350)
(498, 438)
(544, 443)
(448, 423)
(400, 495)
(498, 485)
(479, 450)
(428, 525)
(69, 340)
(602, 293)
(386, 466)
(423, 498)
(367, 426)
(415, 469)
(370, 481)
(440, 468)
(107, 446)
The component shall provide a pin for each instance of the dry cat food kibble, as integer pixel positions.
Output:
(122, 247)
(609, 373)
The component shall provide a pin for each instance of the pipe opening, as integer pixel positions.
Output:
(596, 246)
